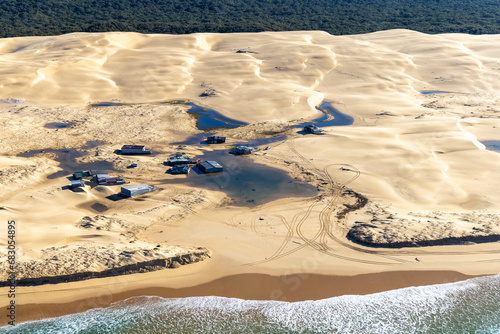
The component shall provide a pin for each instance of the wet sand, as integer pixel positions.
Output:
(289, 288)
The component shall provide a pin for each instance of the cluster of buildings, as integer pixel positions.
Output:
(99, 177)
(179, 163)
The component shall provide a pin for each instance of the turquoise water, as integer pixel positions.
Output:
(471, 306)
(493, 145)
(427, 92)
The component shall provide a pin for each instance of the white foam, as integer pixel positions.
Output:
(468, 306)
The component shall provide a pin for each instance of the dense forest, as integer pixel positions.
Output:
(52, 17)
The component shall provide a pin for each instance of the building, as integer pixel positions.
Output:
(77, 183)
(216, 140)
(312, 129)
(80, 175)
(101, 177)
(210, 167)
(134, 149)
(136, 190)
(180, 160)
(106, 180)
(180, 169)
(244, 149)
(96, 172)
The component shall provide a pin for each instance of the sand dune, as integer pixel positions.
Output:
(418, 159)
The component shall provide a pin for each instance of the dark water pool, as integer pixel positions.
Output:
(493, 145)
(56, 125)
(196, 139)
(339, 119)
(208, 119)
(66, 158)
(245, 181)
(427, 92)
(109, 104)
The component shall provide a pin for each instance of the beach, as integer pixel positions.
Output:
(403, 193)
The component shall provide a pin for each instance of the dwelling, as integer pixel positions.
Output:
(244, 149)
(180, 159)
(77, 183)
(96, 172)
(136, 190)
(80, 175)
(134, 149)
(180, 169)
(216, 140)
(106, 180)
(210, 167)
(312, 129)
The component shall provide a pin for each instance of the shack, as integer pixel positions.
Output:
(180, 160)
(210, 167)
(77, 183)
(216, 140)
(106, 180)
(80, 175)
(101, 177)
(180, 169)
(312, 129)
(134, 149)
(136, 190)
(244, 149)
(96, 172)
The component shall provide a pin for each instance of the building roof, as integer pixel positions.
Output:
(96, 172)
(214, 164)
(133, 147)
(245, 147)
(137, 187)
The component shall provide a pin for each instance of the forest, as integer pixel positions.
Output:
(338, 17)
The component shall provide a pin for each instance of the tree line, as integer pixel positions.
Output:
(338, 17)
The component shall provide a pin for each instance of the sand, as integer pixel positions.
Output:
(417, 159)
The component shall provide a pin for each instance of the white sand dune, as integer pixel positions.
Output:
(411, 155)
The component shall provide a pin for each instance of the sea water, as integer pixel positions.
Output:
(471, 306)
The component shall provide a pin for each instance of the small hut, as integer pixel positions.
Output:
(210, 167)
(244, 149)
(312, 129)
(136, 190)
(216, 140)
(134, 149)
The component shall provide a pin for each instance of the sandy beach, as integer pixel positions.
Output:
(292, 288)
(406, 195)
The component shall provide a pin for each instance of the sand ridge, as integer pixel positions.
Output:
(414, 157)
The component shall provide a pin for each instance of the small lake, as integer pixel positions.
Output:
(66, 158)
(428, 92)
(56, 125)
(196, 139)
(110, 104)
(206, 119)
(339, 119)
(245, 181)
(209, 119)
(492, 145)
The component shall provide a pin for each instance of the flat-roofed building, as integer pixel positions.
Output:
(134, 149)
(136, 190)
(210, 167)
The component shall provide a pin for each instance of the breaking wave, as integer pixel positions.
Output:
(471, 306)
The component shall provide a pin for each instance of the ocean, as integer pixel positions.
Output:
(471, 306)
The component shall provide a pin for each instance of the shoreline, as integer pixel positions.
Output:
(290, 288)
